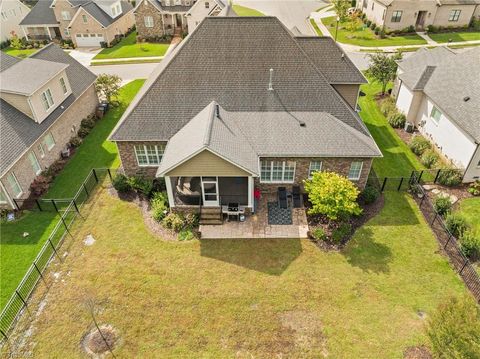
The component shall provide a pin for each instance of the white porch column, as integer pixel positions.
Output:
(48, 32)
(168, 184)
(163, 23)
(25, 33)
(250, 191)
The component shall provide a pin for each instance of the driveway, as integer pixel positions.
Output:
(292, 13)
(84, 55)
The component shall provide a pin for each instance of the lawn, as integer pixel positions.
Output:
(19, 53)
(364, 36)
(246, 11)
(398, 160)
(455, 36)
(128, 47)
(246, 298)
(17, 252)
(470, 209)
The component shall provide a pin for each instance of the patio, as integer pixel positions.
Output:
(257, 225)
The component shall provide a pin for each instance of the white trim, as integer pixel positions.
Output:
(168, 185)
(146, 154)
(53, 139)
(17, 183)
(283, 171)
(9, 199)
(210, 203)
(34, 156)
(77, 14)
(317, 170)
(250, 191)
(359, 172)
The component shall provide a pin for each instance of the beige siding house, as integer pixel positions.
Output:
(401, 14)
(11, 12)
(39, 115)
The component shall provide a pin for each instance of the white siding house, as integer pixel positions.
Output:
(11, 12)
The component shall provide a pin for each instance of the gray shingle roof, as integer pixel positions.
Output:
(426, 57)
(330, 60)
(101, 16)
(40, 14)
(173, 8)
(6, 61)
(219, 61)
(19, 131)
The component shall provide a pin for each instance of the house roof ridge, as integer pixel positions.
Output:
(211, 118)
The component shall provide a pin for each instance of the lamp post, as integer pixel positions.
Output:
(336, 29)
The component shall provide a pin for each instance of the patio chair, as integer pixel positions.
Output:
(296, 197)
(282, 197)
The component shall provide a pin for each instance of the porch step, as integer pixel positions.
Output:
(211, 215)
(212, 221)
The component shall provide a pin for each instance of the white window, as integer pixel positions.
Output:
(35, 165)
(277, 171)
(64, 85)
(207, 5)
(315, 166)
(3, 198)
(4, 15)
(66, 31)
(14, 185)
(397, 16)
(66, 15)
(435, 115)
(454, 15)
(149, 155)
(355, 171)
(40, 150)
(49, 141)
(148, 21)
(84, 18)
(47, 99)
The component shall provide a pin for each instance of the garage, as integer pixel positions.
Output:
(89, 40)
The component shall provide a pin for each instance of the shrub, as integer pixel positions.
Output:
(377, 31)
(173, 221)
(54, 169)
(159, 204)
(474, 188)
(419, 145)
(39, 185)
(456, 224)
(373, 26)
(449, 177)
(332, 195)
(442, 205)
(382, 34)
(158, 185)
(470, 244)
(396, 120)
(75, 141)
(83, 132)
(411, 28)
(140, 184)
(369, 194)
(186, 235)
(388, 106)
(368, 23)
(319, 234)
(88, 122)
(192, 220)
(120, 183)
(339, 234)
(429, 158)
(453, 329)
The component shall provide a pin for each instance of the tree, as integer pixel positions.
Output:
(332, 195)
(383, 68)
(341, 8)
(454, 329)
(108, 86)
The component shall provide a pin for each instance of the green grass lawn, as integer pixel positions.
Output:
(470, 209)
(19, 53)
(266, 298)
(16, 252)
(455, 36)
(246, 11)
(128, 47)
(366, 37)
(398, 160)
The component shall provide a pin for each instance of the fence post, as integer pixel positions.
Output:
(4, 335)
(95, 174)
(109, 174)
(38, 204)
(85, 188)
(420, 176)
(66, 227)
(16, 204)
(434, 218)
(400, 185)
(436, 176)
(383, 184)
(464, 265)
(53, 247)
(412, 178)
(424, 195)
(41, 275)
(55, 206)
(448, 241)
(23, 300)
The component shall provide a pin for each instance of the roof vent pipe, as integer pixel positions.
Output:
(270, 83)
(217, 111)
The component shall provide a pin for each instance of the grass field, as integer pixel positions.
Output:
(366, 37)
(398, 160)
(17, 252)
(19, 53)
(124, 62)
(470, 209)
(246, 11)
(455, 36)
(246, 298)
(128, 47)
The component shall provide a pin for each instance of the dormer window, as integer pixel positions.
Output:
(47, 99)
(64, 85)
(119, 10)
(114, 10)
(66, 15)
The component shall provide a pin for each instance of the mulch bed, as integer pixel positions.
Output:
(96, 343)
(314, 221)
(459, 191)
(418, 352)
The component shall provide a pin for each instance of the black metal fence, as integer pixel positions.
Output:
(18, 302)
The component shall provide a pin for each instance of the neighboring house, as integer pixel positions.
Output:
(400, 14)
(156, 18)
(12, 12)
(87, 23)
(439, 92)
(204, 8)
(223, 114)
(39, 114)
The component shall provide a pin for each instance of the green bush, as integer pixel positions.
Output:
(442, 205)
(186, 235)
(396, 120)
(174, 221)
(456, 224)
(339, 234)
(192, 220)
(429, 158)
(88, 122)
(470, 245)
(368, 23)
(373, 26)
(83, 132)
(75, 141)
(120, 183)
(319, 234)
(419, 145)
(474, 188)
(369, 194)
(453, 329)
(159, 204)
(449, 177)
(141, 185)
(411, 29)
(388, 106)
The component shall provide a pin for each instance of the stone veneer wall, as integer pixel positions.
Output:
(129, 160)
(147, 9)
(338, 165)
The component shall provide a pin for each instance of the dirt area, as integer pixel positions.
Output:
(99, 344)
(456, 193)
(419, 352)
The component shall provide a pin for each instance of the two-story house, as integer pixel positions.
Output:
(39, 113)
(87, 23)
(12, 12)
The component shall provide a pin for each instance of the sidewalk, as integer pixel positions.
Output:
(129, 59)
